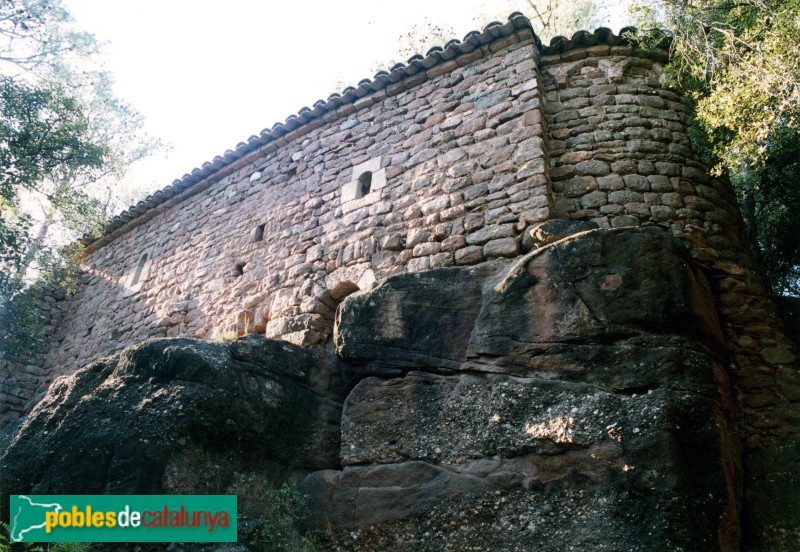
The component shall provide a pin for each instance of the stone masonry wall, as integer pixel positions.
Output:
(22, 372)
(481, 150)
(464, 160)
(621, 156)
(458, 169)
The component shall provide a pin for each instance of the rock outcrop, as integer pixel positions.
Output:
(179, 416)
(573, 399)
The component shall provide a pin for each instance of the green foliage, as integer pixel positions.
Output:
(22, 312)
(44, 140)
(227, 337)
(551, 18)
(281, 512)
(739, 60)
(45, 146)
(741, 64)
(71, 547)
(770, 198)
(62, 135)
(7, 546)
(36, 34)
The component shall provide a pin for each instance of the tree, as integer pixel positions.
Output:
(741, 63)
(62, 135)
(549, 18)
(44, 140)
(421, 37)
(553, 18)
(770, 199)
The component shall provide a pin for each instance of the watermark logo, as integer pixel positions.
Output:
(123, 518)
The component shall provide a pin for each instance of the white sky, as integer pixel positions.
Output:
(208, 75)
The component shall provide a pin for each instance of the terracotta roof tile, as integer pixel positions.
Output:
(517, 23)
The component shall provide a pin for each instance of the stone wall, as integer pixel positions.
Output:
(22, 371)
(456, 162)
(488, 148)
(621, 156)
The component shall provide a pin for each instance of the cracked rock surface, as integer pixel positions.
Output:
(573, 399)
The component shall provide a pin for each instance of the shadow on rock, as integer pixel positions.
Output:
(179, 416)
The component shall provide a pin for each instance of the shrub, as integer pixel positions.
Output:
(280, 513)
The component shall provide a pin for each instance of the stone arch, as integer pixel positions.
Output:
(340, 284)
(305, 316)
(342, 290)
(329, 302)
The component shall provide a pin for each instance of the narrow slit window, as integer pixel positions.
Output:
(138, 273)
(139, 269)
(259, 234)
(364, 184)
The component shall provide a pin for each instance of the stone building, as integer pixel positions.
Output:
(485, 148)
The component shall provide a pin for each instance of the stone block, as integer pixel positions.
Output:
(425, 249)
(660, 183)
(625, 196)
(503, 247)
(777, 355)
(417, 236)
(641, 210)
(442, 259)
(488, 233)
(636, 183)
(662, 212)
(610, 183)
(453, 243)
(673, 200)
(594, 199)
(579, 186)
(624, 220)
(472, 254)
(593, 167)
(419, 264)
(563, 172)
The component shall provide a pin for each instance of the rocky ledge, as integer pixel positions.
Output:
(572, 399)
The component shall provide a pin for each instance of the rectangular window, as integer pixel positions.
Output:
(259, 233)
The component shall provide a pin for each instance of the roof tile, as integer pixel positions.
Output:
(339, 104)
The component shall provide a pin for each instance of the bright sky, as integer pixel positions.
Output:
(208, 75)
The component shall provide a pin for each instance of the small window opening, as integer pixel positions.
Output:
(239, 270)
(139, 268)
(364, 184)
(259, 235)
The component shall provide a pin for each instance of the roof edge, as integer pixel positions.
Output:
(341, 104)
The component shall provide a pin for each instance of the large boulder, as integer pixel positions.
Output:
(574, 399)
(178, 415)
(597, 289)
